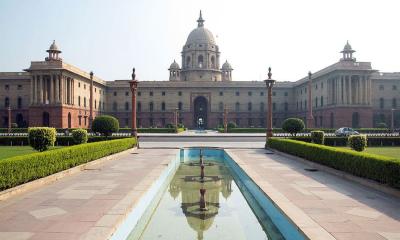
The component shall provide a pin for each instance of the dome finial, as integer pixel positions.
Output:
(200, 21)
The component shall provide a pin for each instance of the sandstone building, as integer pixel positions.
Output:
(55, 93)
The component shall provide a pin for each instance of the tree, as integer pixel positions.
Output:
(293, 125)
(105, 125)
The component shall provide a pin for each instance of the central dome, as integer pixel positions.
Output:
(200, 34)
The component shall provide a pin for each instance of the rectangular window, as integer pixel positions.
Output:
(249, 93)
(322, 85)
(84, 86)
(79, 85)
(179, 93)
(19, 87)
(163, 93)
(115, 94)
(394, 87)
(261, 93)
(237, 93)
(7, 87)
(273, 106)
(139, 93)
(151, 94)
(126, 93)
(221, 93)
(286, 94)
(273, 93)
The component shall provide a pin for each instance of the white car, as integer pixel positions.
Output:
(345, 131)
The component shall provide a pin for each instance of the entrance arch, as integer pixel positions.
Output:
(200, 112)
(46, 119)
(69, 120)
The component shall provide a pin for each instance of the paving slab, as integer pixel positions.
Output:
(323, 205)
(87, 205)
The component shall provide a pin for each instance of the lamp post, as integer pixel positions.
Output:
(310, 117)
(133, 84)
(91, 101)
(176, 119)
(269, 84)
(225, 119)
(9, 119)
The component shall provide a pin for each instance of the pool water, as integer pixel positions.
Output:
(230, 211)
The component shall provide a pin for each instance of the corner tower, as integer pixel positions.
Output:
(200, 55)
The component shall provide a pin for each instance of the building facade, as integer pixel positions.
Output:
(55, 93)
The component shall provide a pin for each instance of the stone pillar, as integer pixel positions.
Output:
(32, 89)
(57, 89)
(72, 91)
(51, 101)
(61, 93)
(41, 88)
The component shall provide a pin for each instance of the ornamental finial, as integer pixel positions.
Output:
(269, 73)
(200, 21)
(133, 74)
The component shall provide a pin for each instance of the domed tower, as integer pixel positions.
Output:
(348, 53)
(200, 55)
(174, 72)
(226, 71)
(53, 52)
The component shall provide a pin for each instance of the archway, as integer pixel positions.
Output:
(46, 119)
(200, 112)
(20, 120)
(69, 120)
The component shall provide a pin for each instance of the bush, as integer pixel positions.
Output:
(381, 125)
(180, 125)
(231, 125)
(317, 137)
(358, 142)
(375, 167)
(41, 138)
(21, 169)
(105, 125)
(79, 136)
(293, 125)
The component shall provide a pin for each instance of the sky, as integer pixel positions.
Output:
(109, 37)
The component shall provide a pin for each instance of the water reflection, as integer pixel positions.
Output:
(189, 184)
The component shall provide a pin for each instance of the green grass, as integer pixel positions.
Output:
(8, 151)
(384, 151)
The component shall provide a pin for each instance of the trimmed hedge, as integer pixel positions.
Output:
(159, 130)
(41, 138)
(342, 141)
(21, 169)
(79, 136)
(357, 142)
(382, 169)
(317, 137)
(60, 140)
(105, 124)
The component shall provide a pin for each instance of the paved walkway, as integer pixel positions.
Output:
(323, 205)
(87, 205)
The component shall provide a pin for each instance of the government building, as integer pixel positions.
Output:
(55, 93)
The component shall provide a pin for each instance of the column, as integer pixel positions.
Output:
(41, 89)
(341, 89)
(32, 88)
(60, 81)
(57, 89)
(350, 90)
(51, 101)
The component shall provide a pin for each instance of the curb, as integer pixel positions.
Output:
(4, 195)
(362, 181)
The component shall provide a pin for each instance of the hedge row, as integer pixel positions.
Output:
(342, 141)
(379, 168)
(60, 140)
(279, 130)
(21, 169)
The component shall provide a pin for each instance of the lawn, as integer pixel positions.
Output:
(384, 151)
(7, 151)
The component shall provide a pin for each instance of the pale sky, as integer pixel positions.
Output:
(110, 37)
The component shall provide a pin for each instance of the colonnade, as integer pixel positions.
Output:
(349, 89)
(52, 89)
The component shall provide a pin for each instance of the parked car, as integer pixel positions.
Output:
(345, 131)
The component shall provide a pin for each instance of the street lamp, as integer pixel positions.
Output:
(269, 84)
(225, 119)
(9, 119)
(133, 84)
(310, 118)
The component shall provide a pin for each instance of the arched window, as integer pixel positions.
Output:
(151, 106)
(286, 106)
(180, 106)
(382, 103)
(95, 104)
(237, 107)
(6, 102)
(262, 107)
(221, 106)
(19, 102)
(163, 106)
(212, 62)
(139, 107)
(115, 106)
(249, 106)
(316, 102)
(322, 101)
(84, 102)
(126, 106)
(355, 120)
(187, 61)
(200, 61)
(394, 103)
(79, 101)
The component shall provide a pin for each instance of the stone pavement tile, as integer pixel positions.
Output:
(69, 227)
(97, 233)
(341, 227)
(391, 235)
(358, 236)
(15, 235)
(363, 212)
(330, 217)
(54, 236)
(108, 220)
(47, 212)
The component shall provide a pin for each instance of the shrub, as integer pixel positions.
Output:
(381, 125)
(180, 125)
(231, 125)
(105, 125)
(21, 169)
(293, 125)
(357, 142)
(79, 136)
(317, 137)
(41, 138)
(375, 167)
